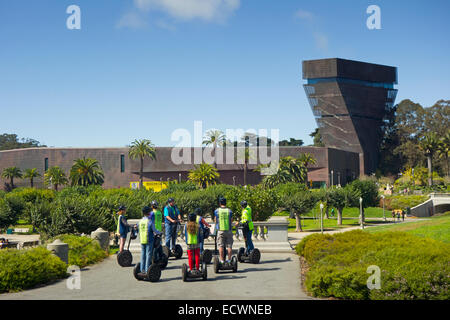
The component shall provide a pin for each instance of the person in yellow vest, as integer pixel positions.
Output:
(122, 227)
(224, 220)
(146, 234)
(246, 220)
(156, 215)
(192, 237)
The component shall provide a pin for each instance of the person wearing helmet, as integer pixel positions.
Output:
(156, 217)
(146, 231)
(122, 227)
(223, 217)
(192, 237)
(246, 220)
(171, 217)
(203, 226)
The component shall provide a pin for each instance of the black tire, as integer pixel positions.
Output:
(124, 258)
(204, 271)
(178, 251)
(163, 262)
(206, 256)
(154, 273)
(216, 264)
(240, 254)
(255, 256)
(166, 251)
(137, 271)
(234, 263)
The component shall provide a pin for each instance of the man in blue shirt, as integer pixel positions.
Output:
(147, 231)
(171, 217)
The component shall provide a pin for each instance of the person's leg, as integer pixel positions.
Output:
(190, 258)
(149, 256)
(168, 234)
(174, 236)
(143, 257)
(121, 243)
(197, 258)
(221, 254)
(201, 247)
(230, 251)
(250, 246)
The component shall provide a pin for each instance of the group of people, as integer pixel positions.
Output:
(195, 230)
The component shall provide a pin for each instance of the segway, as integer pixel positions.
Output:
(125, 258)
(194, 274)
(153, 273)
(207, 254)
(243, 255)
(218, 266)
(178, 251)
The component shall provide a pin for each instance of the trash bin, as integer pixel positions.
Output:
(9, 231)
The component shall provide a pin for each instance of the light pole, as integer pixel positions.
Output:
(179, 178)
(234, 180)
(160, 180)
(384, 216)
(339, 179)
(361, 215)
(321, 218)
(332, 174)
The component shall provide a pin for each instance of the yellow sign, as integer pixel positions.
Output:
(156, 186)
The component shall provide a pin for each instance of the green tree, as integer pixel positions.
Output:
(215, 138)
(298, 204)
(307, 159)
(291, 143)
(140, 149)
(11, 173)
(290, 169)
(11, 141)
(85, 172)
(443, 150)
(31, 174)
(428, 144)
(204, 175)
(55, 176)
(341, 198)
(368, 190)
(317, 142)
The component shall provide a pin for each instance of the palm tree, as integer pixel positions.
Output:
(307, 159)
(55, 176)
(290, 169)
(204, 175)
(429, 145)
(31, 174)
(215, 138)
(140, 149)
(85, 172)
(11, 173)
(443, 149)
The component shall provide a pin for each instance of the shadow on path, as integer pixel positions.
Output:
(260, 269)
(275, 261)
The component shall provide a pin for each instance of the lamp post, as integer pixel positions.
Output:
(384, 216)
(160, 180)
(339, 179)
(332, 174)
(179, 178)
(361, 215)
(321, 218)
(234, 180)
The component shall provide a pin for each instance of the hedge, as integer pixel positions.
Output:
(411, 267)
(24, 269)
(403, 202)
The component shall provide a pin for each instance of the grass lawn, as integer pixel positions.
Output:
(437, 227)
(371, 212)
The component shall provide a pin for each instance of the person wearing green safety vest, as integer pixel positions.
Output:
(204, 227)
(122, 227)
(224, 227)
(156, 216)
(146, 229)
(246, 220)
(192, 237)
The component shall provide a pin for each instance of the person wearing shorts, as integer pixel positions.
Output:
(224, 221)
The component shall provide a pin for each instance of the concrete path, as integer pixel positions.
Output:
(276, 277)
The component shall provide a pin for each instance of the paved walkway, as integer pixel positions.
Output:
(276, 277)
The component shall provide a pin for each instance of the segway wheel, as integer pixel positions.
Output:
(204, 271)
(184, 272)
(234, 263)
(178, 251)
(166, 251)
(154, 273)
(137, 270)
(255, 256)
(216, 264)
(206, 256)
(163, 262)
(125, 258)
(240, 254)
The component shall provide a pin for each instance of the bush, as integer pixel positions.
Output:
(83, 251)
(33, 194)
(368, 190)
(24, 269)
(411, 267)
(403, 202)
(11, 208)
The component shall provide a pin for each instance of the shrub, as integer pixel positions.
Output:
(403, 202)
(11, 208)
(368, 190)
(24, 269)
(411, 267)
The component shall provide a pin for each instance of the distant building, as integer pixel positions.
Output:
(350, 100)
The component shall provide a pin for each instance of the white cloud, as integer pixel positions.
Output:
(311, 21)
(304, 15)
(131, 20)
(321, 40)
(207, 10)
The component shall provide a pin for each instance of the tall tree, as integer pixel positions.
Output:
(11, 173)
(140, 149)
(307, 159)
(428, 144)
(317, 142)
(85, 172)
(290, 169)
(31, 174)
(204, 175)
(12, 141)
(215, 138)
(55, 176)
(443, 150)
(291, 143)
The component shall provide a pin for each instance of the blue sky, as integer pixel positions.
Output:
(143, 68)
